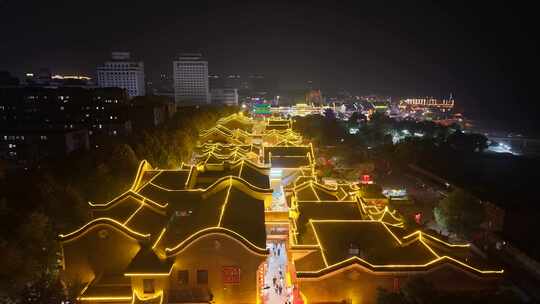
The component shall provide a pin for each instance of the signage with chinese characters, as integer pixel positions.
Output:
(231, 275)
(366, 179)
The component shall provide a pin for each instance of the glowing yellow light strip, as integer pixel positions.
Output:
(133, 214)
(398, 266)
(418, 232)
(241, 168)
(217, 182)
(105, 298)
(159, 238)
(319, 242)
(105, 221)
(138, 175)
(223, 157)
(315, 192)
(429, 248)
(439, 258)
(111, 202)
(224, 206)
(150, 202)
(84, 289)
(151, 180)
(150, 298)
(165, 189)
(189, 176)
(216, 230)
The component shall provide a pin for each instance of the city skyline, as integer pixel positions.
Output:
(387, 48)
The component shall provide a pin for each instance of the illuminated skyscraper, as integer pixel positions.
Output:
(123, 73)
(190, 73)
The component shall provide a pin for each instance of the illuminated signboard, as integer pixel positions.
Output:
(262, 109)
(366, 179)
(231, 275)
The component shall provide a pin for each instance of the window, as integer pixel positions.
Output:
(183, 277)
(148, 285)
(202, 277)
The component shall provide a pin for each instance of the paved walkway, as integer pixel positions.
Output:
(278, 197)
(276, 263)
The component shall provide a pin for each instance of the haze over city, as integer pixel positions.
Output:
(484, 54)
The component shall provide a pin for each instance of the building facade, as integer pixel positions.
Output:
(122, 72)
(224, 96)
(44, 120)
(25, 147)
(190, 74)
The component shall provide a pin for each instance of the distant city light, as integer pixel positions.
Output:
(501, 148)
(78, 77)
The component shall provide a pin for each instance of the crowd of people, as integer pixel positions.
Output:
(277, 263)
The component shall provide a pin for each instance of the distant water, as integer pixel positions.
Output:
(526, 127)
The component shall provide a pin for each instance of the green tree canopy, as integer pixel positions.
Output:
(123, 158)
(460, 213)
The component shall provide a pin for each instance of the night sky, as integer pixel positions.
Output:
(486, 54)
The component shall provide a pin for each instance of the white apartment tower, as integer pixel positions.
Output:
(121, 72)
(190, 73)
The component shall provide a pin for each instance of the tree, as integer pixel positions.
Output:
(460, 213)
(46, 289)
(123, 159)
(355, 117)
(329, 114)
(468, 142)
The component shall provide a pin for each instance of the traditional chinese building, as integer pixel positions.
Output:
(199, 233)
(187, 235)
(343, 248)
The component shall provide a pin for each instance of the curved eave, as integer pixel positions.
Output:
(222, 180)
(143, 166)
(216, 231)
(113, 202)
(250, 186)
(393, 269)
(104, 221)
(124, 195)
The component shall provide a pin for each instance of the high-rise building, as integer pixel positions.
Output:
(190, 73)
(225, 96)
(122, 72)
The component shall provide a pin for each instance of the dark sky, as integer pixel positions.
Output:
(486, 53)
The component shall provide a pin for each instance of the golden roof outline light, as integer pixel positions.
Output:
(438, 259)
(103, 221)
(216, 230)
(215, 184)
(143, 299)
